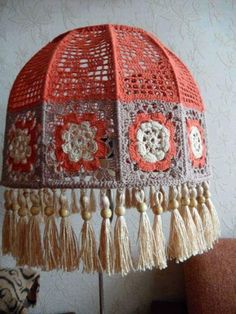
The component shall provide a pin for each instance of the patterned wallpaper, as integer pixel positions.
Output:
(203, 34)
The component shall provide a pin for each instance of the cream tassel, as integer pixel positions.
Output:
(34, 237)
(88, 245)
(75, 209)
(7, 223)
(22, 230)
(197, 220)
(145, 235)
(13, 227)
(212, 210)
(206, 218)
(189, 222)
(160, 251)
(106, 249)
(178, 247)
(123, 259)
(51, 237)
(68, 240)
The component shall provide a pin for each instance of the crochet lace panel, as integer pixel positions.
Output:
(105, 62)
(97, 144)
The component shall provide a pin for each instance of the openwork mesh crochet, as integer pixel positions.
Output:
(101, 108)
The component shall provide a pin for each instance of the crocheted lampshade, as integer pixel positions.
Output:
(108, 114)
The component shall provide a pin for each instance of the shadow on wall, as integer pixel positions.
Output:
(135, 292)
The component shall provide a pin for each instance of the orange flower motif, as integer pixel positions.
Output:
(152, 143)
(22, 143)
(196, 143)
(79, 142)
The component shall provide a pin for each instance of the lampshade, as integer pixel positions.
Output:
(105, 115)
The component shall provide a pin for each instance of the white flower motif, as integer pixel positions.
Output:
(79, 141)
(196, 142)
(19, 148)
(153, 141)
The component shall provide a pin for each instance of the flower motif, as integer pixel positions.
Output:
(152, 141)
(22, 143)
(19, 148)
(79, 142)
(196, 143)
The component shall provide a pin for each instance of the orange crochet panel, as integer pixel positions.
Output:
(105, 62)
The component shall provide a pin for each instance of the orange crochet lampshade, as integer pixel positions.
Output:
(101, 115)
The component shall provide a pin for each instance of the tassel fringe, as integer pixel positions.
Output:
(145, 235)
(178, 247)
(194, 228)
(212, 210)
(160, 251)
(34, 236)
(7, 223)
(89, 255)
(197, 220)
(51, 246)
(22, 243)
(67, 239)
(189, 222)
(50, 238)
(206, 218)
(106, 248)
(88, 245)
(13, 221)
(22, 229)
(123, 259)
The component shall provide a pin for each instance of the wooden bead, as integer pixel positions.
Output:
(120, 211)
(35, 210)
(193, 202)
(64, 212)
(22, 212)
(86, 215)
(142, 207)
(157, 210)
(15, 207)
(185, 201)
(106, 213)
(49, 211)
(173, 204)
(201, 199)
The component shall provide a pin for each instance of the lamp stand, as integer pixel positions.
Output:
(101, 293)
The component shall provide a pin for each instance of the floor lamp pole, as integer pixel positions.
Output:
(101, 293)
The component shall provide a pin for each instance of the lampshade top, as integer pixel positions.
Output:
(105, 62)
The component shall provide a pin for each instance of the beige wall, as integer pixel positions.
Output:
(203, 34)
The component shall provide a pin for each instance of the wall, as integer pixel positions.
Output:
(203, 34)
